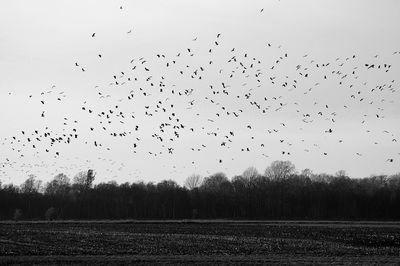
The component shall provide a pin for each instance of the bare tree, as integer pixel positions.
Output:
(322, 178)
(84, 179)
(59, 185)
(167, 185)
(31, 185)
(280, 170)
(193, 181)
(250, 173)
(215, 182)
(240, 183)
(307, 173)
(394, 180)
(341, 173)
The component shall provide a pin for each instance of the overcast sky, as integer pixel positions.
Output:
(349, 120)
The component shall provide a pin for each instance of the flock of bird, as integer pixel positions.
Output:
(214, 95)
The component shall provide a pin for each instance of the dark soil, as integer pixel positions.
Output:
(200, 243)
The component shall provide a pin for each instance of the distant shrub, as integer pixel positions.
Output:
(50, 214)
(17, 214)
(195, 213)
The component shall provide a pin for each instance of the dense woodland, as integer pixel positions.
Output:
(279, 193)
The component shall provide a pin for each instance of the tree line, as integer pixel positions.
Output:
(279, 193)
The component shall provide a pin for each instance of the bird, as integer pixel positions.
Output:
(218, 101)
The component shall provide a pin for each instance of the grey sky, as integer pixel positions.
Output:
(40, 41)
